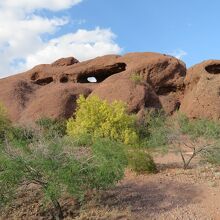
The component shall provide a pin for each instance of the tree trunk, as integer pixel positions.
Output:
(58, 210)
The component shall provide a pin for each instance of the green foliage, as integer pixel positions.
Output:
(198, 135)
(51, 127)
(212, 154)
(199, 127)
(101, 119)
(141, 161)
(137, 78)
(110, 161)
(20, 137)
(153, 130)
(60, 166)
(5, 123)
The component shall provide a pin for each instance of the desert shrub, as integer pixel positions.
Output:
(141, 161)
(101, 119)
(212, 154)
(195, 135)
(20, 137)
(60, 166)
(137, 78)
(52, 127)
(153, 130)
(199, 127)
(5, 123)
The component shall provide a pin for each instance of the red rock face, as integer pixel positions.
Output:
(202, 93)
(51, 90)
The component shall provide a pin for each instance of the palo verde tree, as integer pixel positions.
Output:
(101, 119)
(98, 118)
(59, 166)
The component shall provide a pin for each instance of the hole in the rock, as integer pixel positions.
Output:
(64, 79)
(92, 79)
(101, 74)
(165, 90)
(44, 81)
(213, 69)
(34, 76)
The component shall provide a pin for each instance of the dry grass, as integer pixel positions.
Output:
(104, 213)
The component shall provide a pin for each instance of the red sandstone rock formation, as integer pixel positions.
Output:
(51, 90)
(202, 93)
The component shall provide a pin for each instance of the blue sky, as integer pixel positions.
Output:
(165, 26)
(39, 31)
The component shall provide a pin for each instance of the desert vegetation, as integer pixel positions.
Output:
(90, 153)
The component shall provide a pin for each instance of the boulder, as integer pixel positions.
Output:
(150, 80)
(202, 92)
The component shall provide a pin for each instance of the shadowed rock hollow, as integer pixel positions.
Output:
(142, 80)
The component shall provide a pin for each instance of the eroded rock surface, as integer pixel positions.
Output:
(142, 80)
(202, 93)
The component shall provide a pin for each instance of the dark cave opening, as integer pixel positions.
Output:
(100, 75)
(44, 81)
(64, 79)
(213, 69)
(164, 90)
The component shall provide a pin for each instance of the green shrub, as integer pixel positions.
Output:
(52, 127)
(199, 127)
(195, 135)
(20, 137)
(59, 166)
(101, 119)
(141, 161)
(5, 123)
(137, 78)
(153, 130)
(212, 154)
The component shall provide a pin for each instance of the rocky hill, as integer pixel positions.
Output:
(142, 80)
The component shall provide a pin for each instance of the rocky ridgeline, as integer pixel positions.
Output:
(142, 80)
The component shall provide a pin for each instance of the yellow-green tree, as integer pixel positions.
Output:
(101, 119)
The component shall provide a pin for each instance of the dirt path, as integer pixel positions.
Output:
(171, 194)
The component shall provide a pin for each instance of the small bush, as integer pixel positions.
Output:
(153, 130)
(137, 78)
(101, 119)
(20, 137)
(212, 155)
(51, 127)
(140, 162)
(196, 136)
(199, 127)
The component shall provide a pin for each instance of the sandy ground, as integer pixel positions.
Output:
(172, 193)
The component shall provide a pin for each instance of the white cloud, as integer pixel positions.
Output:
(30, 5)
(21, 36)
(179, 53)
(83, 45)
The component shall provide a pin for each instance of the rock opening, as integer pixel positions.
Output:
(101, 74)
(44, 81)
(164, 90)
(64, 79)
(92, 79)
(213, 69)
